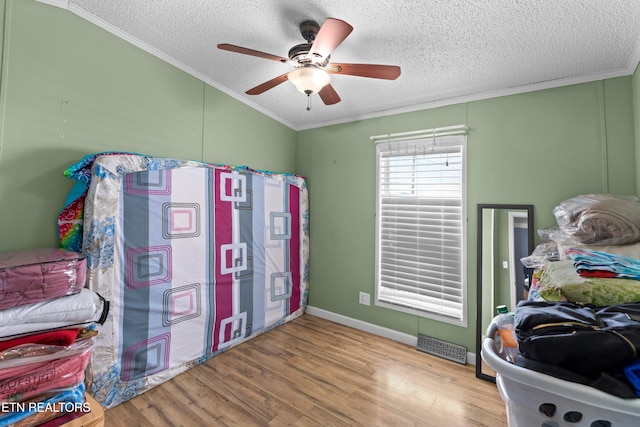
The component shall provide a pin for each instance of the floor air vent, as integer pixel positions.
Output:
(446, 350)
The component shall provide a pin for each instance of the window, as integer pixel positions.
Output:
(421, 226)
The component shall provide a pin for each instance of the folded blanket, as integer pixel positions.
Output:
(601, 219)
(62, 337)
(559, 281)
(23, 382)
(34, 353)
(80, 309)
(590, 263)
(631, 250)
(39, 274)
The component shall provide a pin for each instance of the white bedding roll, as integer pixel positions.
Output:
(77, 310)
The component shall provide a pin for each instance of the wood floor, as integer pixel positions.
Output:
(312, 372)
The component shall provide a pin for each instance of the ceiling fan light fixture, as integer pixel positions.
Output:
(309, 79)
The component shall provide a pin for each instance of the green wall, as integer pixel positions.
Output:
(533, 148)
(71, 89)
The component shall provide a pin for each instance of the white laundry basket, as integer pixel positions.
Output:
(534, 399)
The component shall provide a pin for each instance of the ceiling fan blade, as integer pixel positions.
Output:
(247, 51)
(329, 95)
(261, 88)
(376, 71)
(331, 34)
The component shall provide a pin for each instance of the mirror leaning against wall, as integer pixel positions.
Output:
(505, 235)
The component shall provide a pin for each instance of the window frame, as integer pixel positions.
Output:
(431, 136)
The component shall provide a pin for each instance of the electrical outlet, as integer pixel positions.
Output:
(505, 264)
(364, 298)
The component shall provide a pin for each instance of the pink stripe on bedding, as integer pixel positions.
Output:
(294, 248)
(223, 228)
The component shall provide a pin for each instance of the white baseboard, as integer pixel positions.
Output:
(373, 329)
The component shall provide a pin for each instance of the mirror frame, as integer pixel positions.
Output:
(479, 329)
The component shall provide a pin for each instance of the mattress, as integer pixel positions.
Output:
(194, 258)
(39, 274)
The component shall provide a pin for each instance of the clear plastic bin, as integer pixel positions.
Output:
(534, 399)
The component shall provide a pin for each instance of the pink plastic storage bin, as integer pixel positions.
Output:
(529, 394)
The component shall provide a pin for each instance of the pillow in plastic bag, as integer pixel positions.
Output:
(600, 219)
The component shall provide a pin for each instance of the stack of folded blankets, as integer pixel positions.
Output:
(597, 253)
(46, 324)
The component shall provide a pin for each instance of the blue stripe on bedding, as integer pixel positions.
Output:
(245, 278)
(258, 225)
(209, 288)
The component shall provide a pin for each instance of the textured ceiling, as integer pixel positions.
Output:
(449, 50)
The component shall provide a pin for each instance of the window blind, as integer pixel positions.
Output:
(420, 225)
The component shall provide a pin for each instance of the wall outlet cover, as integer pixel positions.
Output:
(364, 298)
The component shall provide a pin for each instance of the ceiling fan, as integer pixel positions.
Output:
(312, 69)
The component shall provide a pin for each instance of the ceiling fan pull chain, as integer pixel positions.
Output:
(308, 102)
